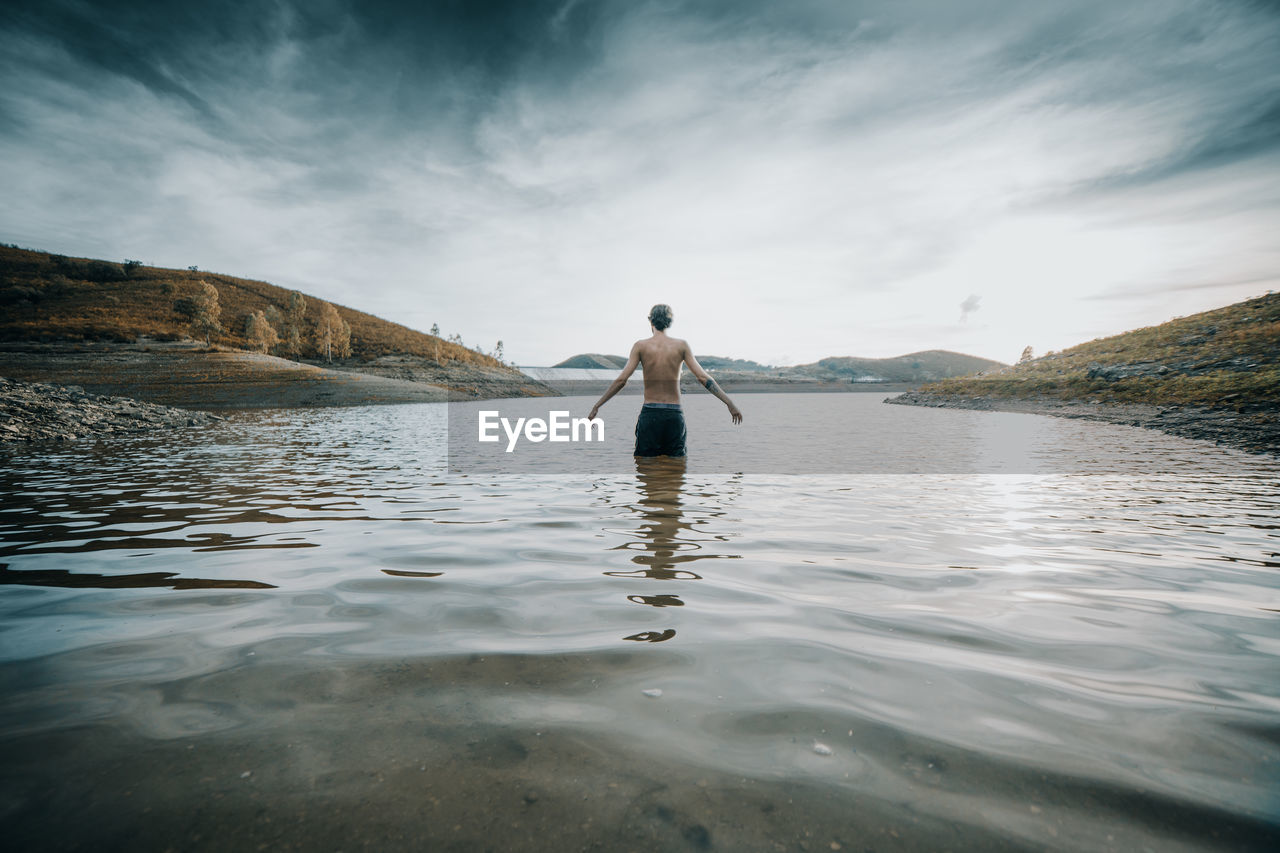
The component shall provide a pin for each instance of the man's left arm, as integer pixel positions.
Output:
(710, 384)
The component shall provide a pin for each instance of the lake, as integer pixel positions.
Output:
(841, 626)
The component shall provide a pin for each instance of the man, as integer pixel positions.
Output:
(660, 427)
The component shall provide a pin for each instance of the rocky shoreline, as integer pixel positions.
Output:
(1252, 427)
(31, 411)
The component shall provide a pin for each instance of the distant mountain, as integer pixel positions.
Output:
(715, 362)
(926, 366)
(593, 361)
(916, 367)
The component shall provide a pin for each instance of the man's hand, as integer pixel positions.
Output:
(592, 416)
(736, 415)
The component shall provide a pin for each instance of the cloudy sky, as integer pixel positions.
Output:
(797, 179)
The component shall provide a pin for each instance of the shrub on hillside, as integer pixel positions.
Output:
(201, 309)
(259, 333)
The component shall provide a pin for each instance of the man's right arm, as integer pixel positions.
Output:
(633, 361)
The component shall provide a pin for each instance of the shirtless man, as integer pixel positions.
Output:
(660, 427)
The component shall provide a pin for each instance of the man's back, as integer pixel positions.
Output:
(661, 357)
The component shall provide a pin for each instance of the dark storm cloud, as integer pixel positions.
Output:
(441, 66)
(415, 49)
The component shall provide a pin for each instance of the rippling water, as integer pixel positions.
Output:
(302, 629)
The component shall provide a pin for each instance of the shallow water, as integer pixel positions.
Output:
(1082, 656)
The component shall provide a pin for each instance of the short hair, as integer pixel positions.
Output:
(660, 316)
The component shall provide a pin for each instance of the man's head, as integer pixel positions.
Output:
(660, 317)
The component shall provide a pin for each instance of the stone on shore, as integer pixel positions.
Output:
(32, 411)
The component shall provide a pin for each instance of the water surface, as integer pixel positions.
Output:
(304, 629)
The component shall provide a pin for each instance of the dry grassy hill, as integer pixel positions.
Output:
(49, 297)
(115, 327)
(1212, 376)
(1228, 356)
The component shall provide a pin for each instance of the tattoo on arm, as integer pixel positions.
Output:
(710, 385)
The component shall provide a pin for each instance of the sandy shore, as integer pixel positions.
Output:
(193, 376)
(1251, 427)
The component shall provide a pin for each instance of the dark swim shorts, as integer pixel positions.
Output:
(660, 430)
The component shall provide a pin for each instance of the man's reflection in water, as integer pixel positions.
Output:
(663, 542)
(661, 479)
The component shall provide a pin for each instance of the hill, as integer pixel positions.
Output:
(913, 367)
(61, 314)
(1227, 354)
(1211, 375)
(597, 361)
(593, 361)
(52, 297)
(744, 365)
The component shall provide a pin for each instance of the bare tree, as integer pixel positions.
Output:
(328, 332)
(342, 340)
(294, 315)
(1027, 355)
